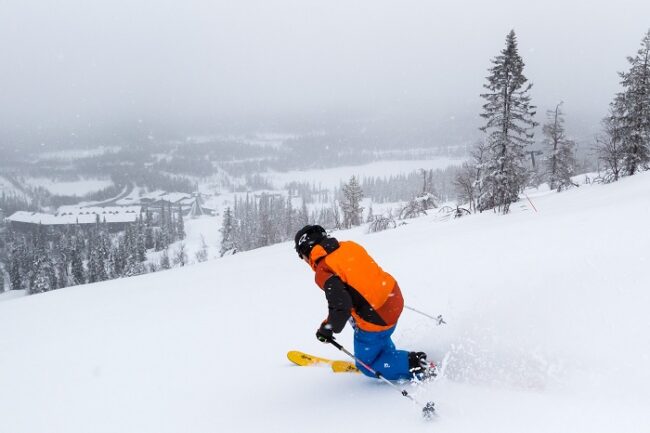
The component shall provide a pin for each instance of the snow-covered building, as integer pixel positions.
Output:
(175, 198)
(190, 204)
(116, 218)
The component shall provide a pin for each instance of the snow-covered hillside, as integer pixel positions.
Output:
(547, 332)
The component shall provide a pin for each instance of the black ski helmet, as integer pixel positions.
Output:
(307, 238)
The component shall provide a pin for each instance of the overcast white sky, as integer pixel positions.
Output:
(78, 62)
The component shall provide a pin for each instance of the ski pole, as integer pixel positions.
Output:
(439, 320)
(428, 409)
(531, 203)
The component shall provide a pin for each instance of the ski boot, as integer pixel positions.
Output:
(420, 367)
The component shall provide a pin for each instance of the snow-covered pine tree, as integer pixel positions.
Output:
(102, 250)
(141, 241)
(78, 274)
(278, 213)
(303, 214)
(148, 232)
(228, 244)
(114, 263)
(133, 268)
(202, 254)
(265, 233)
(509, 127)
(93, 266)
(371, 215)
(44, 274)
(180, 255)
(180, 224)
(631, 111)
(158, 240)
(173, 224)
(64, 246)
(165, 263)
(351, 203)
(15, 272)
(246, 227)
(129, 252)
(165, 227)
(560, 162)
(61, 269)
(289, 218)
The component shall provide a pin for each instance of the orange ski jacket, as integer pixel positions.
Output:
(354, 284)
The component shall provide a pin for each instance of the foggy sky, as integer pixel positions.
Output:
(77, 63)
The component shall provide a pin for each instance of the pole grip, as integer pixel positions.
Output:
(335, 344)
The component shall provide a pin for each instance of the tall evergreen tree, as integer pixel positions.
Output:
(16, 276)
(165, 227)
(303, 214)
(631, 111)
(61, 268)
(227, 233)
(44, 278)
(351, 204)
(509, 124)
(77, 268)
(158, 239)
(289, 219)
(560, 163)
(97, 259)
(141, 241)
(148, 235)
(165, 263)
(265, 235)
(180, 224)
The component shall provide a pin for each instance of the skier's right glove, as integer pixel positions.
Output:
(324, 333)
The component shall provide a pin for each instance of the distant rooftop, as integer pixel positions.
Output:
(173, 197)
(67, 215)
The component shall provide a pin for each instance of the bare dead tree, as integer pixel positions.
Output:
(609, 148)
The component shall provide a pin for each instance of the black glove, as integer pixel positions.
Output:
(324, 333)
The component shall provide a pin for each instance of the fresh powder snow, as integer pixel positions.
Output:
(547, 331)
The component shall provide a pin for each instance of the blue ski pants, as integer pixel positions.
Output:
(377, 350)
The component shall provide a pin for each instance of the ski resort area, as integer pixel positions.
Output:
(546, 332)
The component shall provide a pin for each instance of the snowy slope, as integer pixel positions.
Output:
(547, 332)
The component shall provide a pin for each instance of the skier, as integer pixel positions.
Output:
(358, 290)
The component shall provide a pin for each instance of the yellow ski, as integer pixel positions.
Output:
(304, 360)
(344, 367)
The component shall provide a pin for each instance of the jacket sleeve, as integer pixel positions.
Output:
(339, 303)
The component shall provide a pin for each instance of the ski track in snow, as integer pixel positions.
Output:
(547, 332)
